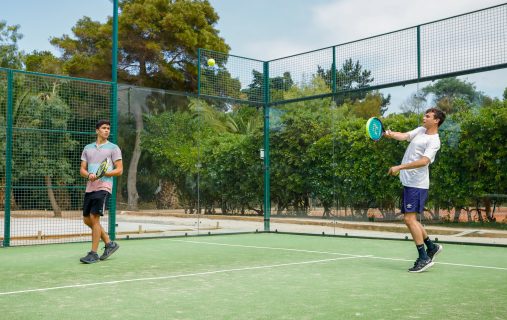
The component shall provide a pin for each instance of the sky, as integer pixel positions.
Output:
(265, 29)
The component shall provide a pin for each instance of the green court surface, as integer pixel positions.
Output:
(253, 276)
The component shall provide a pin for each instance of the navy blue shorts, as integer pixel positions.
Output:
(95, 202)
(413, 200)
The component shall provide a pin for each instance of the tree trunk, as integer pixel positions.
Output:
(489, 212)
(54, 204)
(138, 102)
(3, 198)
(457, 212)
(136, 154)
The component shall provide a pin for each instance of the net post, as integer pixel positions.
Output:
(8, 160)
(267, 199)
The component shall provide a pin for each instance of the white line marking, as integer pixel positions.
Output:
(270, 248)
(178, 276)
(445, 263)
(341, 254)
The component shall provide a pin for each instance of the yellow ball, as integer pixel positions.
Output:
(211, 62)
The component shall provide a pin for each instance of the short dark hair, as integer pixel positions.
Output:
(438, 114)
(101, 122)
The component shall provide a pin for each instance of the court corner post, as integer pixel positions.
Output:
(114, 115)
(267, 199)
(8, 158)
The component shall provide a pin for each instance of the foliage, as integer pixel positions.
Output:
(321, 156)
(10, 57)
(452, 94)
(352, 76)
(158, 43)
(39, 146)
(44, 62)
(277, 86)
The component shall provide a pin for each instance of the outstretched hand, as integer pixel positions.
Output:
(394, 171)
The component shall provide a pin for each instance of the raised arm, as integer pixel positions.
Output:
(401, 136)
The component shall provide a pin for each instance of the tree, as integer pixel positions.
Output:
(352, 76)
(10, 57)
(416, 103)
(277, 86)
(44, 62)
(447, 92)
(158, 42)
(370, 106)
(38, 157)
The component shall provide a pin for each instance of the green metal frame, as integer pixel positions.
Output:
(267, 103)
(8, 162)
(267, 175)
(9, 129)
(114, 116)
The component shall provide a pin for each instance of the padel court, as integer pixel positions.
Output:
(253, 276)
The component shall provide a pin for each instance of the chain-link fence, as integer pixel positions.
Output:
(262, 142)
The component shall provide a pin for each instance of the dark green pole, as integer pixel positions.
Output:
(267, 196)
(418, 52)
(8, 160)
(114, 115)
(198, 71)
(333, 71)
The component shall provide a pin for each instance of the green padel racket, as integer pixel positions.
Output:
(103, 168)
(374, 128)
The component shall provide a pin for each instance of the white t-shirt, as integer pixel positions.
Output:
(420, 145)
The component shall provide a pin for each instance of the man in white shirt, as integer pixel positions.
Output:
(414, 176)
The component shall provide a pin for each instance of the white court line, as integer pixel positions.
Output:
(269, 248)
(446, 263)
(341, 254)
(177, 276)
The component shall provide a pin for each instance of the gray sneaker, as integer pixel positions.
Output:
(91, 257)
(421, 265)
(436, 250)
(109, 249)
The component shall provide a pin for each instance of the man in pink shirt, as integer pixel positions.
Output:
(98, 190)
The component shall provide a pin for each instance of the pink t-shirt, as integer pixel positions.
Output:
(94, 154)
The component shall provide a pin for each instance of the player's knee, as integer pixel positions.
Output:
(87, 221)
(409, 218)
(95, 218)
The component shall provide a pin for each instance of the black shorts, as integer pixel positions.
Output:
(95, 202)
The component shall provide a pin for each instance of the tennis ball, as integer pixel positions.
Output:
(211, 62)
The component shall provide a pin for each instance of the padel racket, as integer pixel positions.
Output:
(374, 128)
(103, 167)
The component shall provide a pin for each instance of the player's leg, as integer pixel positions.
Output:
(103, 235)
(88, 203)
(432, 248)
(96, 231)
(410, 206)
(415, 228)
(110, 246)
